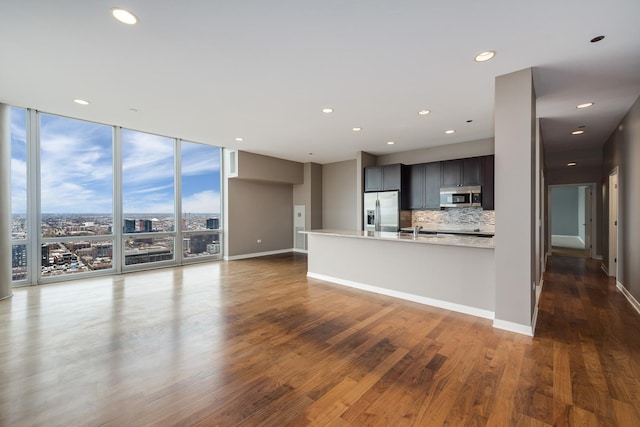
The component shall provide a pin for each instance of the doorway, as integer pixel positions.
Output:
(613, 223)
(572, 209)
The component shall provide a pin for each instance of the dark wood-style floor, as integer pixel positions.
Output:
(255, 342)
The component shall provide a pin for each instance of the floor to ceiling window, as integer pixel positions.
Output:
(90, 199)
(19, 227)
(148, 198)
(76, 196)
(200, 203)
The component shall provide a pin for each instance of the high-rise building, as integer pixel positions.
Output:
(45, 255)
(19, 255)
(213, 223)
(129, 225)
(145, 225)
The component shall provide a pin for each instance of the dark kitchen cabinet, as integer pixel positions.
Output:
(461, 172)
(384, 178)
(472, 171)
(424, 186)
(373, 178)
(392, 177)
(432, 185)
(416, 186)
(488, 182)
(451, 171)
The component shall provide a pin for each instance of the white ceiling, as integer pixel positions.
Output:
(211, 71)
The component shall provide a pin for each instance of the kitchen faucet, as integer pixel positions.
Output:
(416, 231)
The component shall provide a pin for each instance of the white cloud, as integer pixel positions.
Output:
(204, 202)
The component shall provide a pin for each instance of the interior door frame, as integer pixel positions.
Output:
(593, 234)
(613, 227)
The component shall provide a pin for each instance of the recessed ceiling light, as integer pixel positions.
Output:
(135, 110)
(469, 121)
(577, 132)
(391, 142)
(450, 131)
(356, 129)
(585, 105)
(327, 110)
(424, 112)
(597, 39)
(571, 164)
(311, 154)
(484, 56)
(124, 16)
(81, 101)
(239, 139)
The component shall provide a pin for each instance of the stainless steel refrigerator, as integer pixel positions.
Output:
(382, 211)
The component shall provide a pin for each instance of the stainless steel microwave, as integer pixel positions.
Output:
(461, 197)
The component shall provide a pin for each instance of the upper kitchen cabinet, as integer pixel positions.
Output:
(424, 186)
(488, 182)
(461, 172)
(384, 178)
(373, 178)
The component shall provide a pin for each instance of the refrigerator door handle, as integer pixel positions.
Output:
(377, 217)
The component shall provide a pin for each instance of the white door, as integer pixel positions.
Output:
(613, 223)
(299, 239)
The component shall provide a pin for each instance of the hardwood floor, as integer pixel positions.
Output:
(254, 342)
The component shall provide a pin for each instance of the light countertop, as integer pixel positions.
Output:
(434, 239)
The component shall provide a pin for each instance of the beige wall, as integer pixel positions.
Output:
(515, 149)
(258, 211)
(340, 195)
(309, 194)
(480, 147)
(623, 150)
(257, 167)
(363, 160)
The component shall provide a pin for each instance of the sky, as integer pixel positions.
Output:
(76, 169)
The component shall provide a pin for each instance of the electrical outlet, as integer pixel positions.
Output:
(259, 240)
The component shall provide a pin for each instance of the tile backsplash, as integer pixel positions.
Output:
(454, 216)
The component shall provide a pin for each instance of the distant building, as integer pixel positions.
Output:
(45, 255)
(199, 243)
(151, 254)
(18, 256)
(213, 223)
(145, 225)
(129, 225)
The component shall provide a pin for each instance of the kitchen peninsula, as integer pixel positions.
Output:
(452, 272)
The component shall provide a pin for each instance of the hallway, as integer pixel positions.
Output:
(586, 353)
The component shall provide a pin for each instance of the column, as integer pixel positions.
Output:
(5, 202)
(515, 139)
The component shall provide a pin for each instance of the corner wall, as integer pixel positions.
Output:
(340, 195)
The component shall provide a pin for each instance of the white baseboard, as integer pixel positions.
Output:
(257, 254)
(485, 314)
(515, 327)
(539, 291)
(604, 268)
(300, 251)
(598, 257)
(6, 297)
(632, 300)
(534, 321)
